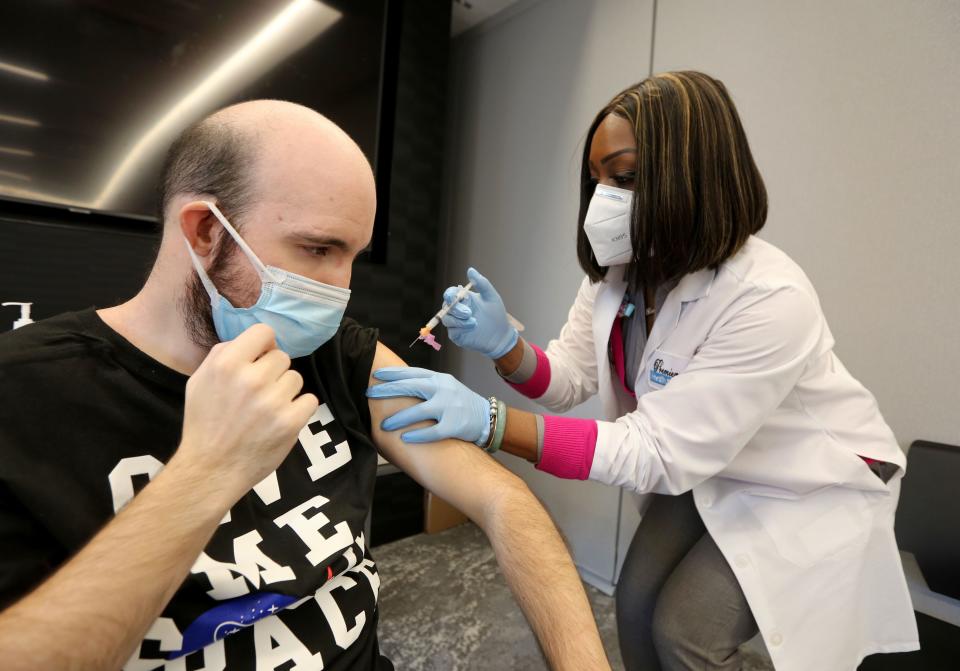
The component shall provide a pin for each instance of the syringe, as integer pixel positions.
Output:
(425, 333)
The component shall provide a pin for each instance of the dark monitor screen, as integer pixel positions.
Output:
(92, 92)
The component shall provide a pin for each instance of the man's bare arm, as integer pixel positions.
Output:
(241, 419)
(529, 549)
(95, 610)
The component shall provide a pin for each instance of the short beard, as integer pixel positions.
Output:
(194, 304)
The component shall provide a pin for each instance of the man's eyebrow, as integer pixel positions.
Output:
(321, 240)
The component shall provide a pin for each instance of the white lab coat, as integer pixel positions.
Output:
(741, 399)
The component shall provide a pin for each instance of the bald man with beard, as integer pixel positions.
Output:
(178, 492)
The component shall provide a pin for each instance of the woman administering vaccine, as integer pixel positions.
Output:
(775, 476)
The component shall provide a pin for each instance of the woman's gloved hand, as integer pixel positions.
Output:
(479, 322)
(458, 411)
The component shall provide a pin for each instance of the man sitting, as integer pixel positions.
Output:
(184, 478)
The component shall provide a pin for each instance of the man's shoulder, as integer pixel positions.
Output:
(354, 339)
(342, 365)
(46, 341)
(349, 350)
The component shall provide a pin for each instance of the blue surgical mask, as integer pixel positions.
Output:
(303, 313)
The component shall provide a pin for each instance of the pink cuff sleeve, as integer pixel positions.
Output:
(568, 447)
(537, 385)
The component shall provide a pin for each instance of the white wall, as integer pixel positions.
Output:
(852, 109)
(853, 112)
(523, 92)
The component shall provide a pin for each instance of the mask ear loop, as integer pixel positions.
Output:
(257, 263)
(204, 278)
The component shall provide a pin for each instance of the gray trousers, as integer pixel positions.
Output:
(679, 606)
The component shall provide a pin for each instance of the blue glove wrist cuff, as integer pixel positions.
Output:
(511, 341)
(485, 431)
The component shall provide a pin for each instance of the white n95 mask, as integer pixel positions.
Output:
(607, 225)
(303, 313)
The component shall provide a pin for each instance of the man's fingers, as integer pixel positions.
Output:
(290, 384)
(251, 344)
(303, 408)
(272, 365)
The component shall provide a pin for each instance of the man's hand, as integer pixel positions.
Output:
(243, 412)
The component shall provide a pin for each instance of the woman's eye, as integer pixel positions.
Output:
(625, 180)
(317, 251)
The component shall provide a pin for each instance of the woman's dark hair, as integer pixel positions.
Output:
(698, 195)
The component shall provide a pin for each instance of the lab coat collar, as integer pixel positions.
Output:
(694, 286)
(605, 307)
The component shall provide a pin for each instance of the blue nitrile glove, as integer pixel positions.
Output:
(459, 412)
(479, 322)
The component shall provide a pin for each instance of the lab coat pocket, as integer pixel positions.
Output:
(663, 367)
(807, 529)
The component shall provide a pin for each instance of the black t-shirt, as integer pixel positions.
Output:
(287, 579)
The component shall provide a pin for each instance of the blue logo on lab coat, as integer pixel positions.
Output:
(660, 375)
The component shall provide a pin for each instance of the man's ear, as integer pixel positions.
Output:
(199, 226)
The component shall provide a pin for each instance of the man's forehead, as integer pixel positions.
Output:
(301, 223)
(323, 184)
(315, 184)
